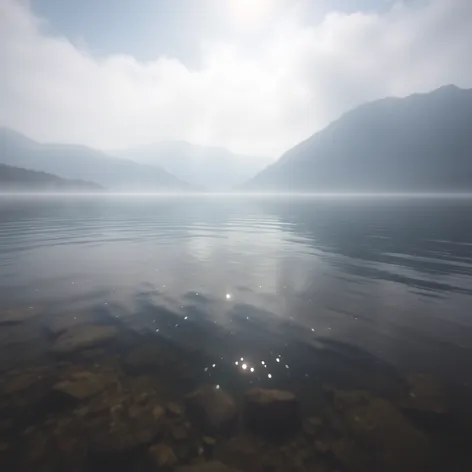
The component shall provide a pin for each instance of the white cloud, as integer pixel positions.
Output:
(260, 103)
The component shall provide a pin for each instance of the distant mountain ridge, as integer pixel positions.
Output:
(83, 163)
(419, 143)
(215, 168)
(16, 179)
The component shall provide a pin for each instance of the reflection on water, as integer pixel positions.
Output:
(295, 294)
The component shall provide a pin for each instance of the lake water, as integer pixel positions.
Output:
(275, 292)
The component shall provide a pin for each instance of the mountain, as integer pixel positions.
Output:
(212, 167)
(83, 163)
(422, 143)
(15, 179)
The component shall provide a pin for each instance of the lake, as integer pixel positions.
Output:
(298, 293)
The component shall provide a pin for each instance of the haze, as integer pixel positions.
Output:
(254, 77)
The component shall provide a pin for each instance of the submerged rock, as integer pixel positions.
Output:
(377, 427)
(18, 315)
(82, 385)
(61, 323)
(272, 412)
(426, 402)
(211, 409)
(124, 427)
(27, 388)
(426, 393)
(174, 409)
(162, 455)
(83, 337)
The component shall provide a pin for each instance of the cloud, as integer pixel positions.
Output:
(263, 103)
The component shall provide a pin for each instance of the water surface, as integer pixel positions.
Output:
(289, 288)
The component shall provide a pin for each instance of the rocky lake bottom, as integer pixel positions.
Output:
(79, 394)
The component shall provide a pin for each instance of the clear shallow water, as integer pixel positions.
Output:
(392, 277)
(333, 288)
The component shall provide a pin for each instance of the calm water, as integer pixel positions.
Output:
(298, 288)
(391, 277)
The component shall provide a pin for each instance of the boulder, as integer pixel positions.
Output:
(83, 385)
(212, 409)
(83, 337)
(122, 428)
(271, 412)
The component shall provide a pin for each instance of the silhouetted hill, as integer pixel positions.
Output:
(14, 179)
(80, 162)
(419, 143)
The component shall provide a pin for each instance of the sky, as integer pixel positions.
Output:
(254, 76)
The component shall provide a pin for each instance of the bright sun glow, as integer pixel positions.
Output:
(250, 12)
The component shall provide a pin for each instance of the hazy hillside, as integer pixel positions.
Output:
(419, 143)
(211, 167)
(17, 179)
(80, 162)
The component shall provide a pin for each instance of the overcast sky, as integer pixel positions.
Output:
(255, 76)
